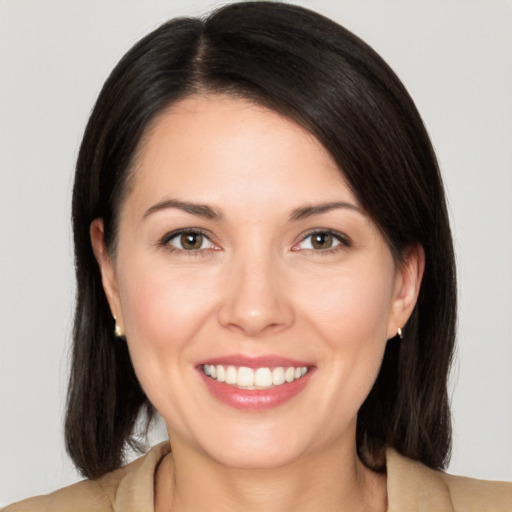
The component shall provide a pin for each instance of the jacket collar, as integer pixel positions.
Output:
(411, 486)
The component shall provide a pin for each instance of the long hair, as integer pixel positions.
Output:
(313, 71)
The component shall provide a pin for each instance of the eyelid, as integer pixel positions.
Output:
(164, 241)
(343, 239)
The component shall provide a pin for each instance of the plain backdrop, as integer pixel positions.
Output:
(454, 57)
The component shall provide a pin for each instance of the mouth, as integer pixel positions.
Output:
(255, 384)
(243, 377)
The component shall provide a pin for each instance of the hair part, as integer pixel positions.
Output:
(313, 71)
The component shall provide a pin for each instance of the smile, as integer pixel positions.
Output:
(254, 378)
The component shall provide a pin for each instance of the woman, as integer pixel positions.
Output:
(258, 207)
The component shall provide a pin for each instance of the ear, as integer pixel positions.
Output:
(407, 287)
(108, 275)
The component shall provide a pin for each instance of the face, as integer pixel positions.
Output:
(256, 295)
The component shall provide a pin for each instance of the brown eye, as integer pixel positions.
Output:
(188, 241)
(191, 241)
(321, 240)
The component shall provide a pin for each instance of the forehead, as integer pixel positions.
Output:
(217, 148)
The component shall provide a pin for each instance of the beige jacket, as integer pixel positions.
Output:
(412, 487)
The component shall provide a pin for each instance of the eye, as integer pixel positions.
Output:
(189, 240)
(322, 241)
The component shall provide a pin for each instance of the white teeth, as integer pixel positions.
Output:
(278, 376)
(263, 377)
(231, 375)
(245, 377)
(249, 378)
(221, 373)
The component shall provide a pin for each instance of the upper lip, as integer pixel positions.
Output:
(264, 361)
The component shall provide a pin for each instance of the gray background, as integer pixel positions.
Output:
(454, 57)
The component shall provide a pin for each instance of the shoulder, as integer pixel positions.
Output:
(474, 494)
(414, 487)
(129, 488)
(85, 495)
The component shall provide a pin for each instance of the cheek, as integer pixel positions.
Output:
(350, 307)
(163, 311)
(349, 315)
(162, 308)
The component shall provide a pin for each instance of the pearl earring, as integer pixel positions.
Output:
(117, 330)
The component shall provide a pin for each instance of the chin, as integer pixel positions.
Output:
(239, 446)
(254, 459)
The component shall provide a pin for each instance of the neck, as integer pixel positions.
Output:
(336, 480)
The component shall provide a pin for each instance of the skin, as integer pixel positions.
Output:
(255, 287)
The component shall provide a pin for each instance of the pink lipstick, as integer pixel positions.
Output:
(254, 383)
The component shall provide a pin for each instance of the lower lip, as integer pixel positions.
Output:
(255, 399)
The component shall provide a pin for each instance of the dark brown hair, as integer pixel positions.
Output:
(317, 73)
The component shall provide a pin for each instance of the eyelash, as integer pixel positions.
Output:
(165, 241)
(344, 241)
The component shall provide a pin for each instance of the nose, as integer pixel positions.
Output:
(255, 299)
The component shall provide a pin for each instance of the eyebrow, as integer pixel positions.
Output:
(201, 210)
(309, 211)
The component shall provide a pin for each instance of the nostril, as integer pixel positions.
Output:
(254, 299)
(253, 321)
